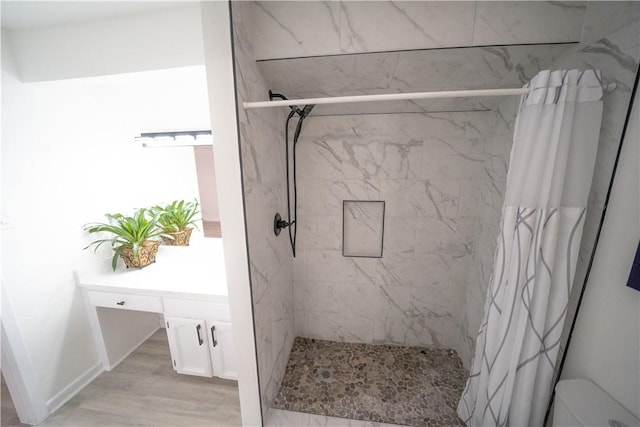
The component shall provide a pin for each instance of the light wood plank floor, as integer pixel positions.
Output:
(8, 417)
(144, 390)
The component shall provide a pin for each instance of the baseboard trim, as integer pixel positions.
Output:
(74, 387)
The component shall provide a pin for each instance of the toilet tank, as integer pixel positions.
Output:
(582, 403)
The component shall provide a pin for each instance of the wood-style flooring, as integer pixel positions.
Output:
(8, 414)
(144, 390)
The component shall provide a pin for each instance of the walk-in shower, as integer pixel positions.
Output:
(439, 164)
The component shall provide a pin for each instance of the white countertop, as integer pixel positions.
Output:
(194, 270)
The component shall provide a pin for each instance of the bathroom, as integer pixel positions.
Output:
(439, 165)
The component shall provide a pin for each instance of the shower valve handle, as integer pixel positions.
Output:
(279, 224)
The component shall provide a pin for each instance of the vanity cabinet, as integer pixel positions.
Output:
(201, 347)
(189, 346)
(188, 288)
(200, 337)
(223, 356)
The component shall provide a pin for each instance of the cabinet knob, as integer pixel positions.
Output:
(120, 303)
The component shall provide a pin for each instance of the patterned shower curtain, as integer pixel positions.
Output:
(550, 171)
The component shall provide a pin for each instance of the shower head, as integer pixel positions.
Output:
(306, 110)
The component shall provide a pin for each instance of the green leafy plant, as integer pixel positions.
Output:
(126, 231)
(177, 216)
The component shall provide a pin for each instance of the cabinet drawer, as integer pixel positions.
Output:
(126, 301)
(197, 308)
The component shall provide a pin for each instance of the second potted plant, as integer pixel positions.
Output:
(133, 238)
(175, 220)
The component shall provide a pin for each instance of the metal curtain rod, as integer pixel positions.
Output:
(398, 97)
(386, 97)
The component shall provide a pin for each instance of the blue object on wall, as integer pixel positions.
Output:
(634, 276)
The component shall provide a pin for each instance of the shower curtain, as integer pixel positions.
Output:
(550, 171)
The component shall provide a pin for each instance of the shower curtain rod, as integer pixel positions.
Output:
(608, 87)
(386, 97)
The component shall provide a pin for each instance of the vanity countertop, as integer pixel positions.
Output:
(196, 270)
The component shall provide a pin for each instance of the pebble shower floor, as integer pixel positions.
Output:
(412, 386)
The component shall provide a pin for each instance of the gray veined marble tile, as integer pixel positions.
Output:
(331, 74)
(319, 232)
(469, 199)
(473, 67)
(331, 266)
(492, 191)
(271, 261)
(616, 55)
(452, 158)
(400, 235)
(291, 29)
(415, 331)
(321, 159)
(324, 197)
(399, 127)
(415, 198)
(528, 22)
(407, 25)
(602, 18)
(338, 327)
(497, 155)
(358, 157)
(413, 270)
(299, 265)
(381, 160)
(408, 71)
(445, 236)
(430, 302)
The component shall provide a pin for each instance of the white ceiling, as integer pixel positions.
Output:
(23, 14)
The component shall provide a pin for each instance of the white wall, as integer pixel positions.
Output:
(263, 173)
(606, 343)
(68, 157)
(221, 83)
(146, 41)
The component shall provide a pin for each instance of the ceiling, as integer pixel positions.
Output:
(26, 14)
(409, 71)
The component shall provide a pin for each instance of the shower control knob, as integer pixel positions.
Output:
(279, 224)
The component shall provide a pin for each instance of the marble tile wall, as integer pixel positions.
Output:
(442, 175)
(612, 44)
(295, 29)
(407, 71)
(427, 168)
(261, 139)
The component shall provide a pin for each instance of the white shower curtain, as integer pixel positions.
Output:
(550, 172)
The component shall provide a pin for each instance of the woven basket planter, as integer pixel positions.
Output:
(146, 254)
(180, 238)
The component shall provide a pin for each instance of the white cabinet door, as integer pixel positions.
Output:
(189, 346)
(223, 357)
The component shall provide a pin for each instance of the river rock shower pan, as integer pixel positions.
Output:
(412, 386)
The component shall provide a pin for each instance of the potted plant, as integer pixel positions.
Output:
(175, 220)
(134, 238)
